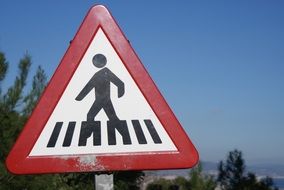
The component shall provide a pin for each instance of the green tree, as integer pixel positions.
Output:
(160, 184)
(15, 106)
(128, 180)
(200, 181)
(232, 175)
(182, 183)
(197, 181)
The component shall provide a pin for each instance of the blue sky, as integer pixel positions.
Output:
(219, 64)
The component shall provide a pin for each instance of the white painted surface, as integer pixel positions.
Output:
(132, 105)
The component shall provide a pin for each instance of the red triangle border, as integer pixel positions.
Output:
(19, 161)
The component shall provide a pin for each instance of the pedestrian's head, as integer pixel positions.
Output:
(99, 60)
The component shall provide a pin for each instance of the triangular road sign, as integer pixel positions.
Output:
(101, 111)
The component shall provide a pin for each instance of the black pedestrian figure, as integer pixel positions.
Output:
(100, 82)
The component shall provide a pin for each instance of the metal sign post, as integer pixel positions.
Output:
(103, 181)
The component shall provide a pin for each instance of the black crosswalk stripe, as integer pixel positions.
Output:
(69, 134)
(55, 134)
(139, 132)
(152, 131)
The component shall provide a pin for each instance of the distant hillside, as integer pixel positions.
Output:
(272, 170)
(208, 167)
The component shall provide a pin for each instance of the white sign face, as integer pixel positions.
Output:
(102, 111)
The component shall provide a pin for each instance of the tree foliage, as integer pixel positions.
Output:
(197, 181)
(160, 184)
(13, 102)
(15, 106)
(128, 180)
(232, 175)
(200, 181)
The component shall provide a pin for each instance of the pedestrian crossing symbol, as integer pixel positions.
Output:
(101, 112)
(91, 115)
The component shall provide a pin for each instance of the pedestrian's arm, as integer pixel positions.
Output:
(120, 90)
(89, 86)
(117, 82)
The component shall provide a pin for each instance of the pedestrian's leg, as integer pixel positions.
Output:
(94, 110)
(108, 107)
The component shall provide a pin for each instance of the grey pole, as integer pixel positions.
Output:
(103, 181)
